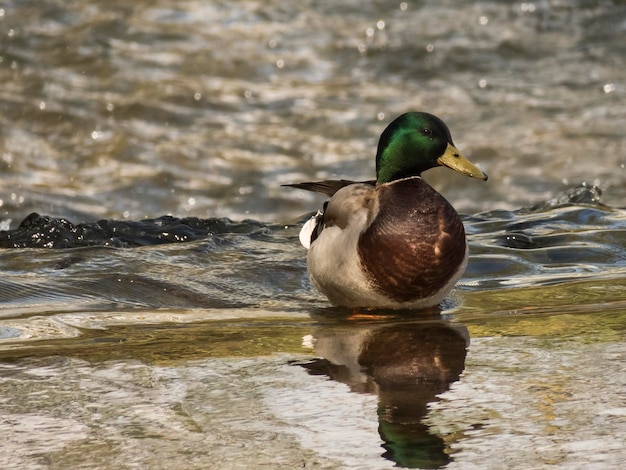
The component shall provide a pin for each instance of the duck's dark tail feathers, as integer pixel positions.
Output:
(327, 187)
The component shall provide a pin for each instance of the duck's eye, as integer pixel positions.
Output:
(427, 131)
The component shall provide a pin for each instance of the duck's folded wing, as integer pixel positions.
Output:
(327, 187)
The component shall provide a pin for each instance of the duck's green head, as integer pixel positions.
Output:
(415, 142)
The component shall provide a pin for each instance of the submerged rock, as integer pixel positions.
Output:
(37, 231)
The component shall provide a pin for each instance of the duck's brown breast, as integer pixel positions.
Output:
(415, 245)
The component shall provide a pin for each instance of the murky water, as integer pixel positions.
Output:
(132, 340)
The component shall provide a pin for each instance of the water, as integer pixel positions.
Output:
(133, 340)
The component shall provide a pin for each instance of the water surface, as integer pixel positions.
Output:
(157, 313)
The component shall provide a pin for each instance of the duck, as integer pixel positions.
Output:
(393, 242)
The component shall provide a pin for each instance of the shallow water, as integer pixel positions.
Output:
(130, 340)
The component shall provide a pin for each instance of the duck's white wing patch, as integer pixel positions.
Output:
(307, 230)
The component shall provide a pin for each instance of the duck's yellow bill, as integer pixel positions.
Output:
(453, 159)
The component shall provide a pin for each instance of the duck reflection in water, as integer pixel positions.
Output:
(407, 364)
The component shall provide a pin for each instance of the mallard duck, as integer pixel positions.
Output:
(394, 242)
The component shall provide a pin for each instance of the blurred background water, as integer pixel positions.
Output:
(151, 342)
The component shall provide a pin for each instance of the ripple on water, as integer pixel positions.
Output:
(547, 244)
